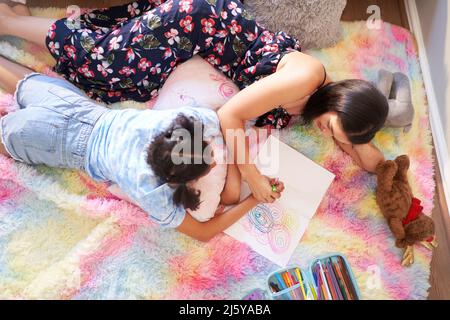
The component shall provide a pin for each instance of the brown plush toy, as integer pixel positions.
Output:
(402, 211)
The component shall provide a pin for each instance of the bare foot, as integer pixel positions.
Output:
(21, 9)
(6, 11)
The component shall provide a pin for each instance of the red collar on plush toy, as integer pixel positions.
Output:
(414, 211)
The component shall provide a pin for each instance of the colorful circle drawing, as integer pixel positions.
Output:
(261, 218)
(279, 239)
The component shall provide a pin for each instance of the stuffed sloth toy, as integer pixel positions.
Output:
(402, 211)
(396, 88)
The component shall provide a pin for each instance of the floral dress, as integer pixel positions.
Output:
(127, 52)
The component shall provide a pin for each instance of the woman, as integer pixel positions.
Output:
(144, 152)
(127, 52)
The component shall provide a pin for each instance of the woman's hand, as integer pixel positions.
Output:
(367, 156)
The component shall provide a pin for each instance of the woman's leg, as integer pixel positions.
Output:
(30, 28)
(10, 74)
(106, 16)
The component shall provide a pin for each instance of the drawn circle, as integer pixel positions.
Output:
(276, 211)
(279, 239)
(261, 218)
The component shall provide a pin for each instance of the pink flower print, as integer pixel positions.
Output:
(71, 52)
(219, 47)
(144, 64)
(115, 32)
(103, 68)
(54, 47)
(226, 90)
(157, 3)
(270, 48)
(133, 9)
(208, 41)
(51, 32)
(212, 59)
(84, 70)
(112, 94)
(156, 69)
(114, 80)
(167, 52)
(166, 6)
(130, 56)
(185, 6)
(172, 35)
(208, 26)
(234, 27)
(164, 75)
(222, 33)
(224, 14)
(252, 69)
(73, 76)
(266, 36)
(97, 53)
(250, 36)
(114, 43)
(225, 68)
(187, 24)
(174, 62)
(136, 26)
(127, 71)
(137, 38)
(235, 10)
(196, 50)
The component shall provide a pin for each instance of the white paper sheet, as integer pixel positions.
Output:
(274, 230)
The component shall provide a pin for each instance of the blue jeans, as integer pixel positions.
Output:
(53, 125)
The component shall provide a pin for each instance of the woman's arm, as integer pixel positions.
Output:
(205, 231)
(300, 76)
(367, 156)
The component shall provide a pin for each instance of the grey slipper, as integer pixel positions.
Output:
(401, 109)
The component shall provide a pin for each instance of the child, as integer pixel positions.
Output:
(57, 125)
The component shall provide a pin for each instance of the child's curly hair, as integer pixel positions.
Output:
(195, 164)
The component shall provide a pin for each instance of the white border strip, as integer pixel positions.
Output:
(442, 152)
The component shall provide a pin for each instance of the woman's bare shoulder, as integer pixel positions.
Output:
(301, 66)
(299, 59)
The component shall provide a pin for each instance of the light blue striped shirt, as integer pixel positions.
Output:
(117, 152)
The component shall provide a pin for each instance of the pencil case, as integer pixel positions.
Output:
(328, 277)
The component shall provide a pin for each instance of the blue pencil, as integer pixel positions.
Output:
(277, 275)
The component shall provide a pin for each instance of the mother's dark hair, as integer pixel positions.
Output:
(362, 109)
(177, 175)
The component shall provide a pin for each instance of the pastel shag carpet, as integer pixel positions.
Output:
(62, 236)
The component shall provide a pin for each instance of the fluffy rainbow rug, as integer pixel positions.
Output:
(64, 237)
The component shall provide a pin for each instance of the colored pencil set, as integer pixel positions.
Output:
(292, 279)
(330, 278)
(333, 279)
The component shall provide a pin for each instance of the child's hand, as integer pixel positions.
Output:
(277, 185)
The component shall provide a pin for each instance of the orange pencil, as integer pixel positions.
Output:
(288, 284)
